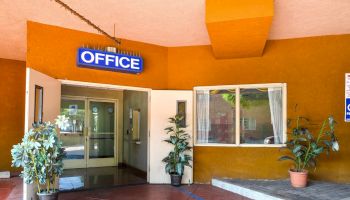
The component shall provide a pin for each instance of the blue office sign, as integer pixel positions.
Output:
(347, 110)
(109, 61)
(347, 97)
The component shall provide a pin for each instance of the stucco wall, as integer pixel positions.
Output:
(313, 69)
(52, 50)
(12, 97)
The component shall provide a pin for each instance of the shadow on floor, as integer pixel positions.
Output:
(100, 177)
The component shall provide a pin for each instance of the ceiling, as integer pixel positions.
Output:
(162, 22)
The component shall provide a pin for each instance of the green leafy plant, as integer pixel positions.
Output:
(40, 154)
(305, 147)
(177, 159)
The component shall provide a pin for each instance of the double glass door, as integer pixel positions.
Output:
(89, 133)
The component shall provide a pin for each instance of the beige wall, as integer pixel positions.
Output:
(163, 106)
(51, 107)
(102, 93)
(51, 96)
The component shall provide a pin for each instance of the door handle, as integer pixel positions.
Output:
(86, 131)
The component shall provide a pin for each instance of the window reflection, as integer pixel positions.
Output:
(260, 112)
(102, 126)
(216, 116)
(72, 133)
(255, 113)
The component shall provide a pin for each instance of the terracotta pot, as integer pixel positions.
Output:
(298, 179)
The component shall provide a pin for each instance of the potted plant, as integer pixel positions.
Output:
(177, 158)
(306, 147)
(40, 154)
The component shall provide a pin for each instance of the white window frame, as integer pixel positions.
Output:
(237, 89)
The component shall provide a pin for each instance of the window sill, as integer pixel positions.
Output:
(241, 145)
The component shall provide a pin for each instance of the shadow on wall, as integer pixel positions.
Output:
(135, 120)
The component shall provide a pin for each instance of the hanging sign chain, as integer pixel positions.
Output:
(87, 21)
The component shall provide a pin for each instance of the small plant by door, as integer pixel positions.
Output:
(177, 158)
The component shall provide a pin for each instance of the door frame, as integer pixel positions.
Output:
(94, 162)
(72, 162)
(86, 133)
(120, 87)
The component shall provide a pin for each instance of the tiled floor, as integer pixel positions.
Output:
(153, 192)
(89, 178)
(5, 188)
(131, 192)
(11, 189)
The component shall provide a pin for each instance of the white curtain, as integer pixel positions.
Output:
(275, 100)
(203, 121)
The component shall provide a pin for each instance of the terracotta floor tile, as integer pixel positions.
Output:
(153, 192)
(15, 188)
(12, 190)
(210, 192)
(4, 192)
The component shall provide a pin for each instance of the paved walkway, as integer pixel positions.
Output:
(281, 189)
(154, 192)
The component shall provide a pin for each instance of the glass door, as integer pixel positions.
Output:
(101, 133)
(89, 135)
(73, 132)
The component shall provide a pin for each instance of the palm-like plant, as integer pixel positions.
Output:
(177, 159)
(305, 147)
(40, 154)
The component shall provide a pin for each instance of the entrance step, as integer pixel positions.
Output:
(241, 190)
(281, 189)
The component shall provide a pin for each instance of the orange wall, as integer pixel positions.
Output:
(12, 91)
(313, 69)
(238, 28)
(52, 50)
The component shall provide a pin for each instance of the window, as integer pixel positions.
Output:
(248, 124)
(38, 104)
(246, 115)
(181, 110)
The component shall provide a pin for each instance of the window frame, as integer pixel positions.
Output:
(237, 128)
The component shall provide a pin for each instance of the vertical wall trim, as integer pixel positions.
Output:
(238, 104)
(284, 92)
(26, 121)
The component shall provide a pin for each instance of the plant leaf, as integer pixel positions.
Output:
(286, 158)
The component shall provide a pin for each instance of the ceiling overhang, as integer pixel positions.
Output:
(238, 28)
